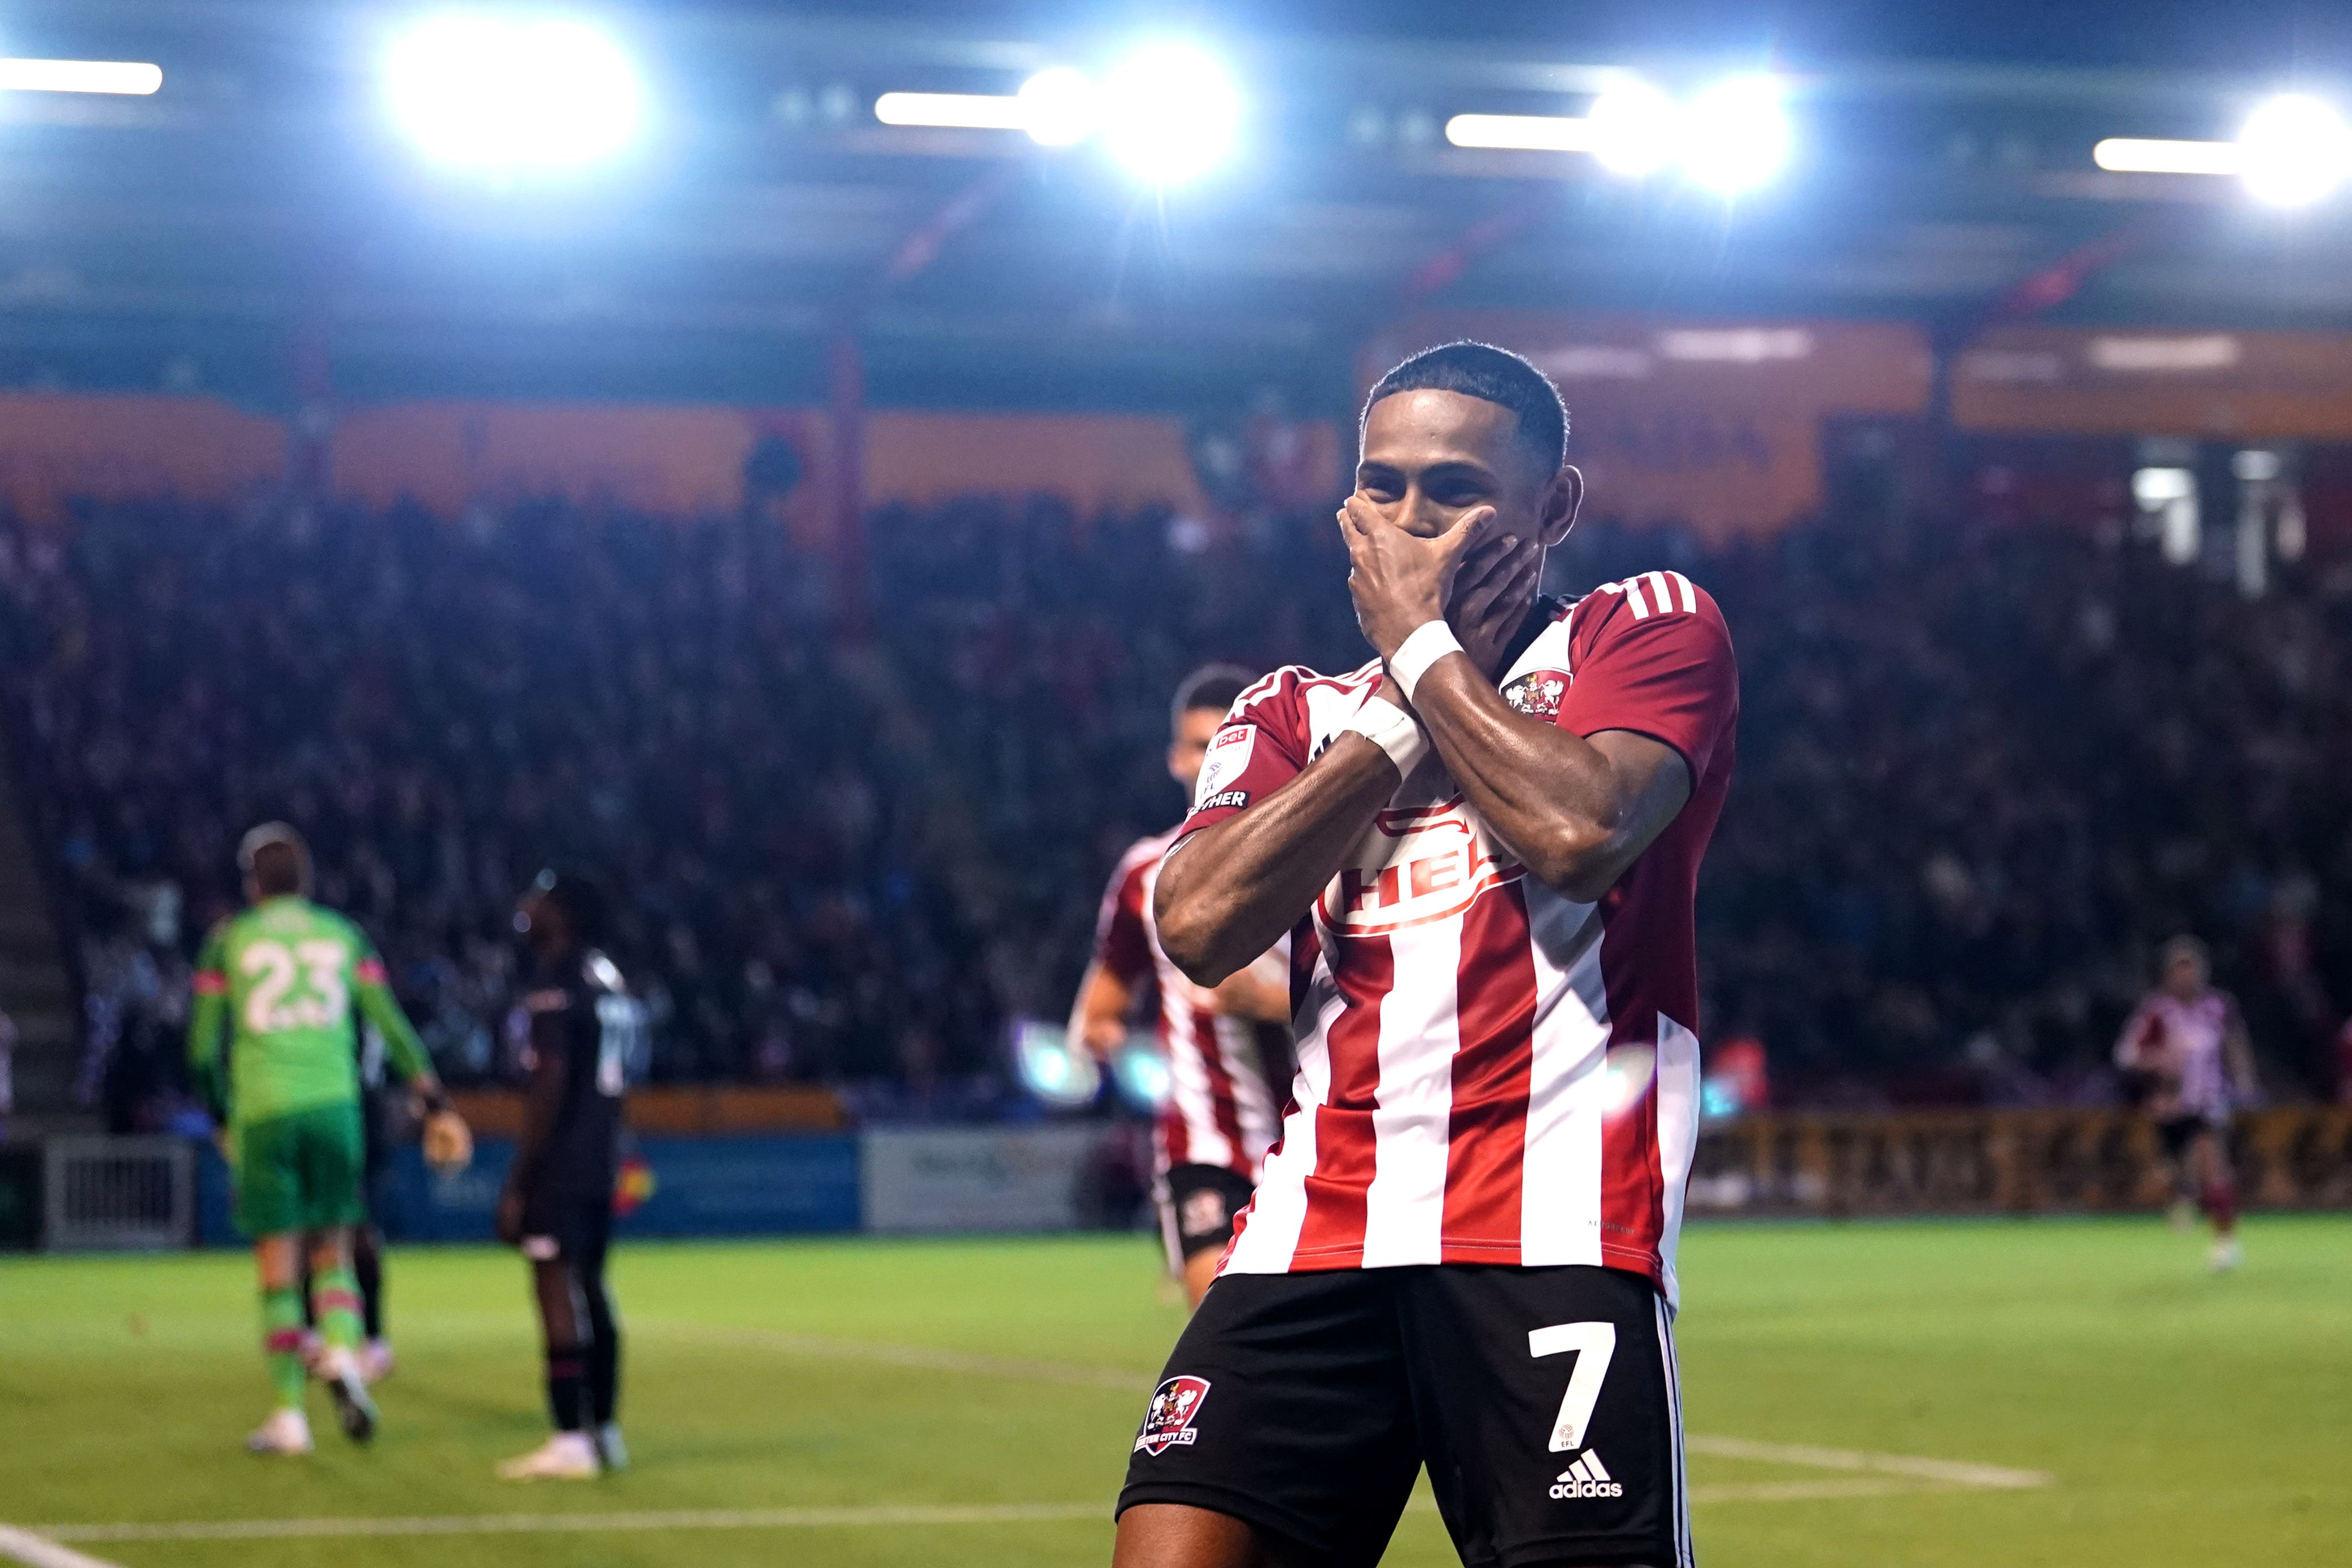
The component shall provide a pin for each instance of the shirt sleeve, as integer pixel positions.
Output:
(1122, 942)
(1660, 666)
(1261, 747)
(402, 1047)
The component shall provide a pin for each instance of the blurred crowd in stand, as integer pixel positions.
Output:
(1983, 770)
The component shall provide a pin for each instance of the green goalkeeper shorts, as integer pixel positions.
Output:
(300, 1171)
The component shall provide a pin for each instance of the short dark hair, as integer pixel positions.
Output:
(1213, 686)
(1492, 376)
(579, 898)
(274, 856)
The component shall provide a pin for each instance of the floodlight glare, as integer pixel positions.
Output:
(2295, 151)
(1169, 113)
(1059, 107)
(1634, 129)
(505, 94)
(1736, 134)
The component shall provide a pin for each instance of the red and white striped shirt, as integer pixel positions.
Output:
(1489, 1071)
(2184, 1045)
(1221, 1108)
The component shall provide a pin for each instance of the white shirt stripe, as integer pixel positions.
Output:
(1559, 1192)
(1404, 1207)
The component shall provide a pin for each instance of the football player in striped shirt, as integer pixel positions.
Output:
(1485, 844)
(2186, 1046)
(1227, 1048)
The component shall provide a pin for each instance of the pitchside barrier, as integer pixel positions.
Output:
(118, 1193)
(2002, 1161)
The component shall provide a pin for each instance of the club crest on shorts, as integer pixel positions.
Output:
(1169, 1423)
(1204, 1211)
(1538, 693)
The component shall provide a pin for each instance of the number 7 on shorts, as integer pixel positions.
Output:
(1594, 1344)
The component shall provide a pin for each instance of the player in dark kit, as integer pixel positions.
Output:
(586, 1032)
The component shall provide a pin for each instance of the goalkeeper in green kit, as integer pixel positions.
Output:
(284, 977)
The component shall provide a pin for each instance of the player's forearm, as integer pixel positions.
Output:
(1552, 796)
(1099, 1018)
(401, 1047)
(1249, 994)
(1231, 890)
(204, 1022)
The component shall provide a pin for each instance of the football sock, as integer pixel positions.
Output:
(281, 1341)
(2220, 1206)
(335, 1297)
(567, 1387)
(367, 1266)
(603, 1356)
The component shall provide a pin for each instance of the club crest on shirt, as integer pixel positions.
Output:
(1169, 1423)
(1538, 693)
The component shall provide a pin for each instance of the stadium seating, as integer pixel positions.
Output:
(850, 862)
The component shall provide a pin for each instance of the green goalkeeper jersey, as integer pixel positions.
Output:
(284, 977)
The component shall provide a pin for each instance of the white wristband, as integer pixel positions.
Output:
(1394, 730)
(1430, 641)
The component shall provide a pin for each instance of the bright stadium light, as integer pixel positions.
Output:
(1169, 113)
(130, 78)
(1636, 129)
(505, 94)
(2295, 151)
(2143, 155)
(956, 111)
(1521, 132)
(1736, 134)
(1059, 107)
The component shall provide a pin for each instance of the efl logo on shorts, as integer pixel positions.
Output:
(1205, 1212)
(1169, 1423)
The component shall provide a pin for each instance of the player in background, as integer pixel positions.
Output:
(1485, 844)
(376, 1113)
(586, 1033)
(2186, 1046)
(1227, 1048)
(279, 981)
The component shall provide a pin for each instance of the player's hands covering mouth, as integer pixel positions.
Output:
(1480, 581)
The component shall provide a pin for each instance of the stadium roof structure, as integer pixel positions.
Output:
(259, 213)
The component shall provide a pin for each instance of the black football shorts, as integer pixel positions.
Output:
(1543, 1402)
(1197, 1204)
(569, 1227)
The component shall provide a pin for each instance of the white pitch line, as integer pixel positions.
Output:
(1950, 1472)
(549, 1523)
(900, 1516)
(36, 1551)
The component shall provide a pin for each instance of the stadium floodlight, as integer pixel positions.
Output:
(1736, 134)
(1059, 107)
(2143, 155)
(130, 78)
(505, 94)
(1636, 129)
(2295, 151)
(953, 111)
(1169, 113)
(1521, 132)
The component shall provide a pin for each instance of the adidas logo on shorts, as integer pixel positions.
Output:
(1586, 1478)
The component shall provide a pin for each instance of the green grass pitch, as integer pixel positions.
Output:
(971, 1402)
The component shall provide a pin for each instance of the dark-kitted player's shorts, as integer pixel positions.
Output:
(2176, 1133)
(1197, 1205)
(1543, 1401)
(299, 1171)
(573, 1227)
